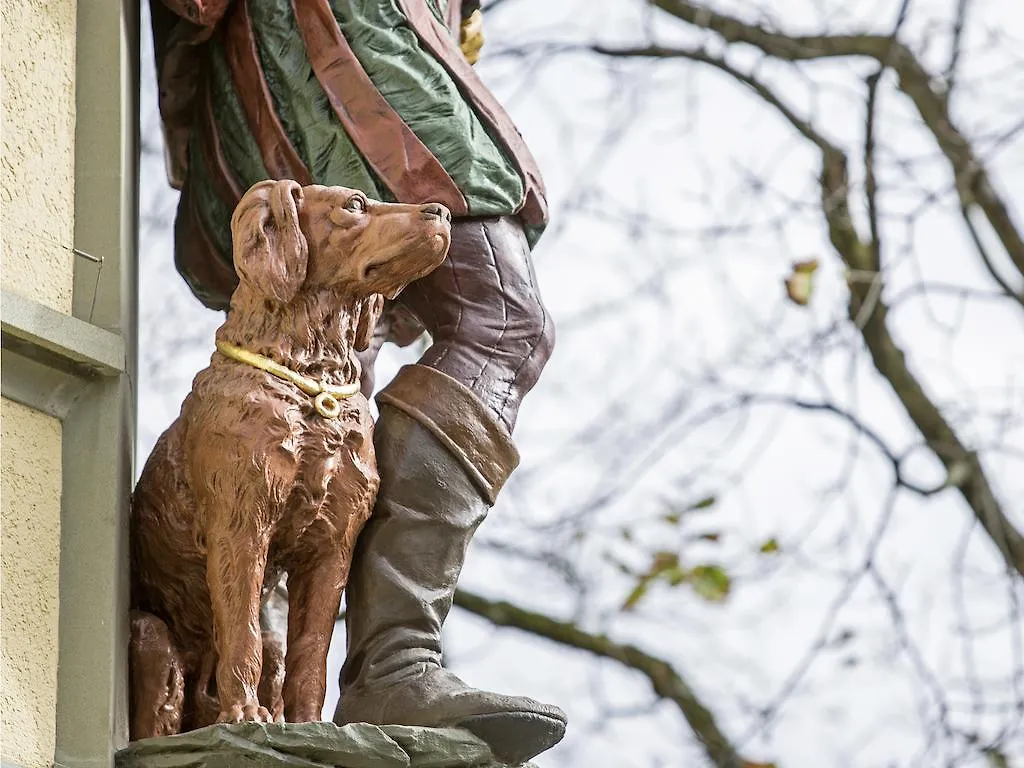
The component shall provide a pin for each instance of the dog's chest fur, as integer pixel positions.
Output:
(334, 462)
(305, 472)
(334, 488)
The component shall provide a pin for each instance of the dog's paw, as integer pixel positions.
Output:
(245, 713)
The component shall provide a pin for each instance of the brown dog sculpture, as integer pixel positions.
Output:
(269, 468)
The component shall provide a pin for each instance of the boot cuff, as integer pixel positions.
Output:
(459, 420)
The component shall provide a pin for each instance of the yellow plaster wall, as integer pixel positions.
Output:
(37, 165)
(30, 483)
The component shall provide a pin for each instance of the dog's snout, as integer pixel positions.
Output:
(436, 210)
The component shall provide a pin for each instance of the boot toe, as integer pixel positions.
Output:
(516, 728)
(515, 737)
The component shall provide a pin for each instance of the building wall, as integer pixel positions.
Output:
(30, 484)
(37, 193)
(37, 169)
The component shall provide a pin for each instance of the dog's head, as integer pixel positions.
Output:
(288, 238)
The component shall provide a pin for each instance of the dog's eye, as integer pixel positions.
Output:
(356, 204)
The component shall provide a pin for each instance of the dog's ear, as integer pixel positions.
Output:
(270, 251)
(369, 310)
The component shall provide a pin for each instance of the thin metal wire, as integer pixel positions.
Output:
(77, 252)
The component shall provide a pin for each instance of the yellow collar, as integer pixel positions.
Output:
(327, 395)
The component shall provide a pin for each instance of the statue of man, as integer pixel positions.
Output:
(377, 95)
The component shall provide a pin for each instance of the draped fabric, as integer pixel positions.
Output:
(368, 94)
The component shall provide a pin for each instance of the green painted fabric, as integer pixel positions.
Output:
(307, 116)
(214, 212)
(428, 100)
(239, 147)
(415, 84)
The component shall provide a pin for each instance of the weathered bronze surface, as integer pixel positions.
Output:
(252, 480)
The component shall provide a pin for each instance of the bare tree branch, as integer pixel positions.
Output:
(870, 179)
(665, 679)
(986, 259)
(972, 181)
(956, 48)
(963, 468)
(962, 465)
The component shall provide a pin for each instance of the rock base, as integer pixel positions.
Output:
(311, 745)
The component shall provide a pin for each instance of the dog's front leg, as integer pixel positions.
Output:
(236, 559)
(314, 596)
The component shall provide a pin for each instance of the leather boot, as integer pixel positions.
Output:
(442, 459)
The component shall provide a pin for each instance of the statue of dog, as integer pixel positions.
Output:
(269, 469)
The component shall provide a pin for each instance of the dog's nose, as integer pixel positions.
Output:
(438, 210)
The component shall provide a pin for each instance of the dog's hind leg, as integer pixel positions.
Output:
(272, 677)
(203, 707)
(156, 678)
(236, 559)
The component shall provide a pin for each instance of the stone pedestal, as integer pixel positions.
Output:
(311, 745)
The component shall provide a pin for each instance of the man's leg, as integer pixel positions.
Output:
(444, 450)
(483, 309)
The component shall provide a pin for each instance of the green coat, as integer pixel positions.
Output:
(370, 94)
